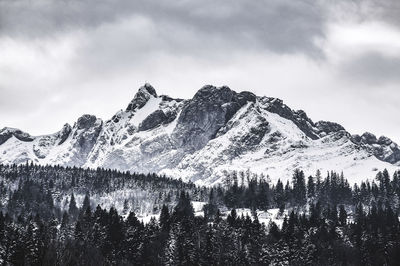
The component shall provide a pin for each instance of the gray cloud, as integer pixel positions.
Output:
(372, 68)
(277, 25)
(282, 26)
(364, 10)
(387, 11)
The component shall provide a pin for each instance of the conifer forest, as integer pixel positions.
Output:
(52, 215)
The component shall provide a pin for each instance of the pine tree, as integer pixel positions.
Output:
(34, 242)
(133, 243)
(342, 216)
(3, 240)
(231, 219)
(86, 202)
(299, 187)
(310, 187)
(72, 209)
(126, 207)
(16, 246)
(164, 219)
(171, 256)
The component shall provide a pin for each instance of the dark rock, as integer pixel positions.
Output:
(64, 133)
(4, 137)
(205, 114)
(301, 114)
(166, 98)
(156, 119)
(394, 157)
(275, 137)
(383, 148)
(6, 133)
(339, 135)
(115, 118)
(300, 118)
(86, 121)
(369, 138)
(150, 89)
(298, 145)
(230, 109)
(142, 96)
(246, 96)
(238, 101)
(22, 136)
(256, 134)
(328, 127)
(84, 140)
(384, 141)
(356, 138)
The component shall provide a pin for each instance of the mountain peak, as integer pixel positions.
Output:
(8, 132)
(149, 89)
(141, 97)
(86, 121)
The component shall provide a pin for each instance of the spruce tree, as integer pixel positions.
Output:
(86, 202)
(342, 216)
(72, 209)
(164, 218)
(310, 187)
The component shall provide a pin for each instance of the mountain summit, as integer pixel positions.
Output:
(203, 139)
(142, 96)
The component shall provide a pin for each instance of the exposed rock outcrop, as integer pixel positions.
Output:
(141, 97)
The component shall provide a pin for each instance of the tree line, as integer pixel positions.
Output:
(321, 220)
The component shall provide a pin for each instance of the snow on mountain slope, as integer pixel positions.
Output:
(202, 139)
(282, 148)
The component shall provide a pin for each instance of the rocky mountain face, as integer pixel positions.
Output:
(203, 139)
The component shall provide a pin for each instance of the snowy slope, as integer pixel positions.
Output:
(283, 148)
(205, 138)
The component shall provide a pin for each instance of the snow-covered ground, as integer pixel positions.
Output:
(265, 217)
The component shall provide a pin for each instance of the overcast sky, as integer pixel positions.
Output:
(337, 60)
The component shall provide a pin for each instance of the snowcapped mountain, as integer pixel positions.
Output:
(202, 139)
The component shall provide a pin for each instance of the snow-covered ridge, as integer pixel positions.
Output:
(216, 132)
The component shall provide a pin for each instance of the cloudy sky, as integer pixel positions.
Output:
(337, 60)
